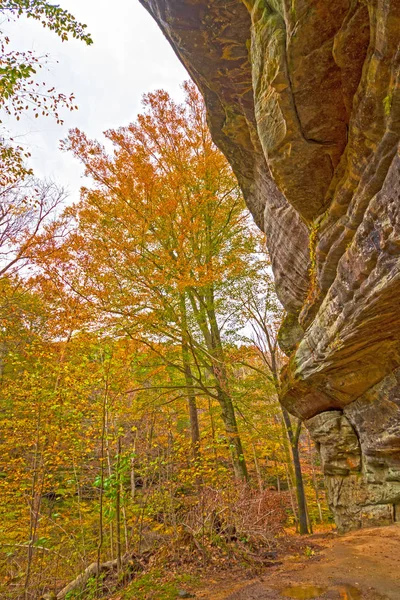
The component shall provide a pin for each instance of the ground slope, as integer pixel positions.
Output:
(362, 565)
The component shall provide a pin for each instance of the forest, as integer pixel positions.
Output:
(143, 444)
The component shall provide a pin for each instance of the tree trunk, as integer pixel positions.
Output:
(118, 506)
(210, 412)
(290, 489)
(193, 414)
(258, 470)
(234, 441)
(194, 426)
(208, 325)
(224, 397)
(301, 498)
(314, 479)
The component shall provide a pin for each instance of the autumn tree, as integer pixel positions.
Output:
(265, 316)
(161, 236)
(27, 205)
(20, 90)
(26, 208)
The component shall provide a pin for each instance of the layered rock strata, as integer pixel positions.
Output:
(303, 97)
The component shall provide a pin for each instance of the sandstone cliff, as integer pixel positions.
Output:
(303, 97)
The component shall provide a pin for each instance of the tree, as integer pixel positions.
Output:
(161, 235)
(26, 208)
(265, 315)
(19, 89)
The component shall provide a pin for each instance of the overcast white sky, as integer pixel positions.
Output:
(128, 58)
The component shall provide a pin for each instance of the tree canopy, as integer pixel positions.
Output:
(20, 88)
(139, 370)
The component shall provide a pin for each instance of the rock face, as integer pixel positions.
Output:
(303, 97)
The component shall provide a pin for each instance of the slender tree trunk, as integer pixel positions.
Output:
(118, 506)
(224, 397)
(125, 527)
(81, 517)
(210, 412)
(34, 505)
(284, 442)
(194, 426)
(208, 324)
(301, 498)
(132, 474)
(273, 364)
(234, 441)
(109, 468)
(294, 445)
(34, 521)
(257, 466)
(192, 405)
(102, 458)
(314, 479)
(290, 489)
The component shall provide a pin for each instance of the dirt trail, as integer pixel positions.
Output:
(363, 565)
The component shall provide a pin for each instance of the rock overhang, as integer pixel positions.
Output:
(303, 97)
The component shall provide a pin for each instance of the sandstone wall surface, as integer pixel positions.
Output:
(303, 97)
